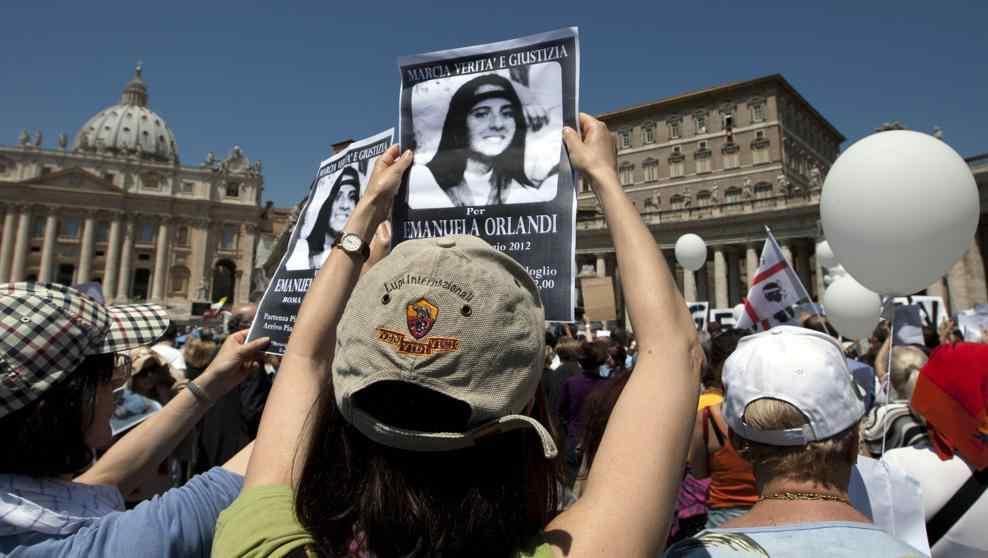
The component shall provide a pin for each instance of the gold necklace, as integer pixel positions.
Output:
(793, 495)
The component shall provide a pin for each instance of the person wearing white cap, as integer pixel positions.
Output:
(793, 410)
(407, 417)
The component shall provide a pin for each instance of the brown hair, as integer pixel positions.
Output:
(486, 500)
(825, 462)
(568, 349)
(597, 411)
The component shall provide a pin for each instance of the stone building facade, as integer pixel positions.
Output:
(117, 207)
(724, 163)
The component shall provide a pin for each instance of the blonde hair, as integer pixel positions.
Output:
(906, 364)
(198, 353)
(825, 462)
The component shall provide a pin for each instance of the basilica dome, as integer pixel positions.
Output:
(129, 128)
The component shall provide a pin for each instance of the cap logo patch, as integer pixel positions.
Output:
(420, 316)
(418, 348)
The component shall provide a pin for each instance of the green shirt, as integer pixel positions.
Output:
(261, 523)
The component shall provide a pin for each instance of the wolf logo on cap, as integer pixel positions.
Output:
(420, 316)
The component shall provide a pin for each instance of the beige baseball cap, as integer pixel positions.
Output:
(451, 315)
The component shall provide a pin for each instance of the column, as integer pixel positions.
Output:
(200, 242)
(821, 287)
(84, 271)
(751, 263)
(48, 246)
(601, 266)
(126, 255)
(160, 261)
(21, 245)
(973, 262)
(786, 250)
(248, 234)
(802, 263)
(957, 285)
(720, 278)
(734, 293)
(689, 285)
(112, 257)
(939, 288)
(7, 243)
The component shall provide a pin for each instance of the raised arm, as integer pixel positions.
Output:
(129, 462)
(631, 489)
(282, 443)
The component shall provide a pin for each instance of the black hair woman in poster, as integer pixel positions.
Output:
(334, 193)
(486, 126)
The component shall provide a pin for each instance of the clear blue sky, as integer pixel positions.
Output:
(284, 80)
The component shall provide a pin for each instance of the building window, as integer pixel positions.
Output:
(188, 187)
(677, 202)
(763, 190)
(627, 175)
(701, 122)
(69, 227)
(151, 182)
(229, 241)
(109, 177)
(624, 139)
(703, 198)
(703, 165)
(102, 233)
(758, 112)
(760, 155)
(648, 134)
(651, 170)
(674, 129)
(731, 160)
(677, 168)
(66, 274)
(179, 281)
(182, 236)
(146, 232)
(732, 195)
(233, 189)
(585, 185)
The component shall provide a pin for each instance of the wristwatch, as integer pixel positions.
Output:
(352, 245)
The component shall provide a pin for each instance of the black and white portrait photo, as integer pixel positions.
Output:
(333, 200)
(485, 123)
(487, 139)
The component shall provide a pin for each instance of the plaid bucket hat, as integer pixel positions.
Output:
(451, 315)
(47, 330)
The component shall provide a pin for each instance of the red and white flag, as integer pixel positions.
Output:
(776, 294)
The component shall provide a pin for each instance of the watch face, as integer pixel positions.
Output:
(350, 243)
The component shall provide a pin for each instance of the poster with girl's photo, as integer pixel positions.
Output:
(486, 125)
(334, 193)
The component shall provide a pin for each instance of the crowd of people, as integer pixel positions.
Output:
(436, 421)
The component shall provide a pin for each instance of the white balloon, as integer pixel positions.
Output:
(899, 208)
(691, 251)
(825, 255)
(851, 308)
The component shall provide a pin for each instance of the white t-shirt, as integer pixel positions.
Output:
(939, 481)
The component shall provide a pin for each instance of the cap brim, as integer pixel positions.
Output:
(413, 440)
(132, 325)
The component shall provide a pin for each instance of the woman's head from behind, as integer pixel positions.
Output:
(56, 398)
(433, 438)
(486, 122)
